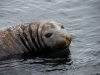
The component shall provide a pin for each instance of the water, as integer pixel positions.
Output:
(80, 17)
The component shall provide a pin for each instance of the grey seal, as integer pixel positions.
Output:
(35, 36)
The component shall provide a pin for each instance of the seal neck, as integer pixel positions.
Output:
(40, 37)
(40, 40)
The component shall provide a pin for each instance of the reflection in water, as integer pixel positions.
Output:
(44, 57)
(36, 62)
(60, 57)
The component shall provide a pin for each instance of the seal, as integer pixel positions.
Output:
(35, 36)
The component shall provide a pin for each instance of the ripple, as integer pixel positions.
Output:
(81, 19)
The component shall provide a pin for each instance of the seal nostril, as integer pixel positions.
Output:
(68, 38)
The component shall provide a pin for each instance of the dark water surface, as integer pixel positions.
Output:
(80, 17)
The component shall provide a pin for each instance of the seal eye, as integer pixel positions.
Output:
(48, 35)
(62, 27)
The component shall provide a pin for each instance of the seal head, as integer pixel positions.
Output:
(55, 36)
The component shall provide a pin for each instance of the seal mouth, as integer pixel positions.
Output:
(65, 44)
